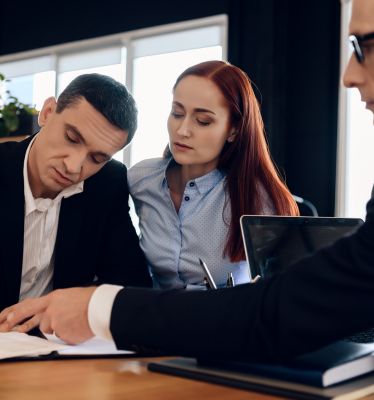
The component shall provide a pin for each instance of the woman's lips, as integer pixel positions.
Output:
(182, 146)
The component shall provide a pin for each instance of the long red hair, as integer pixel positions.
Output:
(246, 160)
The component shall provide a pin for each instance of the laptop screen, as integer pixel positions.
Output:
(272, 243)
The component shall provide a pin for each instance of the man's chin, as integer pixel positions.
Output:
(53, 188)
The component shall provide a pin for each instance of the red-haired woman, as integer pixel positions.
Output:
(217, 167)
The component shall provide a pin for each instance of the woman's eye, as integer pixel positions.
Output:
(203, 123)
(176, 115)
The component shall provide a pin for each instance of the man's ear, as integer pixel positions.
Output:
(48, 108)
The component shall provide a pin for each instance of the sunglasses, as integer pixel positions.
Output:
(357, 41)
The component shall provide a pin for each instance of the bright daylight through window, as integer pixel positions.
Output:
(148, 61)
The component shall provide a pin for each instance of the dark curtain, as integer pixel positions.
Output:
(289, 48)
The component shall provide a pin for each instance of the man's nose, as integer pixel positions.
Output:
(354, 73)
(74, 163)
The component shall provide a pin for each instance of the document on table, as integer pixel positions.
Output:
(94, 346)
(15, 344)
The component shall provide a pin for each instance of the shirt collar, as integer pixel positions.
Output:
(203, 183)
(208, 181)
(32, 203)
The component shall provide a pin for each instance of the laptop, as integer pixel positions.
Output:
(272, 243)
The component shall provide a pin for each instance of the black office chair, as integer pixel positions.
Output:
(305, 206)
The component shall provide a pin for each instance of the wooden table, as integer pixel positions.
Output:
(105, 379)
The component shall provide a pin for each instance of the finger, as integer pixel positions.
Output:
(26, 310)
(47, 330)
(4, 327)
(45, 324)
(4, 324)
(29, 324)
(4, 313)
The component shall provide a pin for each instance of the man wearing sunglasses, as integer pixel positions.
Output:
(320, 299)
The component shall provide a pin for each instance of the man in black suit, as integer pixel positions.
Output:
(320, 299)
(64, 204)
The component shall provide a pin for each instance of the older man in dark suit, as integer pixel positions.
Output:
(322, 298)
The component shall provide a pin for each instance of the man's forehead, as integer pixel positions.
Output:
(362, 19)
(93, 127)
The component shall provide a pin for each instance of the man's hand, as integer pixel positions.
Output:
(63, 312)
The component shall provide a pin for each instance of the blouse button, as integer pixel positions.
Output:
(187, 198)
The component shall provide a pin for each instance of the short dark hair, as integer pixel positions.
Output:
(107, 96)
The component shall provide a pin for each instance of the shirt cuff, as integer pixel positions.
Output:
(100, 310)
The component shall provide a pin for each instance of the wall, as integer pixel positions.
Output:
(289, 48)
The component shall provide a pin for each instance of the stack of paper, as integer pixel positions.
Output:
(15, 344)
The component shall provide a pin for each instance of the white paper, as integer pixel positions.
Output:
(15, 344)
(94, 346)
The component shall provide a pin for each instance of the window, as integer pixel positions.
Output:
(157, 62)
(32, 79)
(355, 141)
(148, 61)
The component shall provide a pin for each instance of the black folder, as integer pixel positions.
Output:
(190, 368)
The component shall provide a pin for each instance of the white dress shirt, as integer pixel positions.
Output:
(40, 230)
(100, 310)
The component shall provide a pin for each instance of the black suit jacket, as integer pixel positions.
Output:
(95, 236)
(325, 297)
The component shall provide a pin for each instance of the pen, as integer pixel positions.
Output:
(209, 277)
(206, 284)
(230, 280)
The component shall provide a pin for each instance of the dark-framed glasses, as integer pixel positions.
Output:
(357, 41)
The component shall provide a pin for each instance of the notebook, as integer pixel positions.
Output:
(272, 243)
(242, 378)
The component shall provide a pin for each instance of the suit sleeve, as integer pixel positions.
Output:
(322, 298)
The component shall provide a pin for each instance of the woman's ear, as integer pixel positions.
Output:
(232, 135)
(48, 108)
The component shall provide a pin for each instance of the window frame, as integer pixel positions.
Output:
(123, 41)
(343, 115)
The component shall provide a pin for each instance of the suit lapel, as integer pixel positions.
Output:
(69, 235)
(12, 223)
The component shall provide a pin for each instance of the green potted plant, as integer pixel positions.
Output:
(16, 118)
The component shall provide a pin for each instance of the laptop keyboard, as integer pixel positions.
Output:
(362, 337)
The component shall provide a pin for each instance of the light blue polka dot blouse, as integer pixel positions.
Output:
(173, 242)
